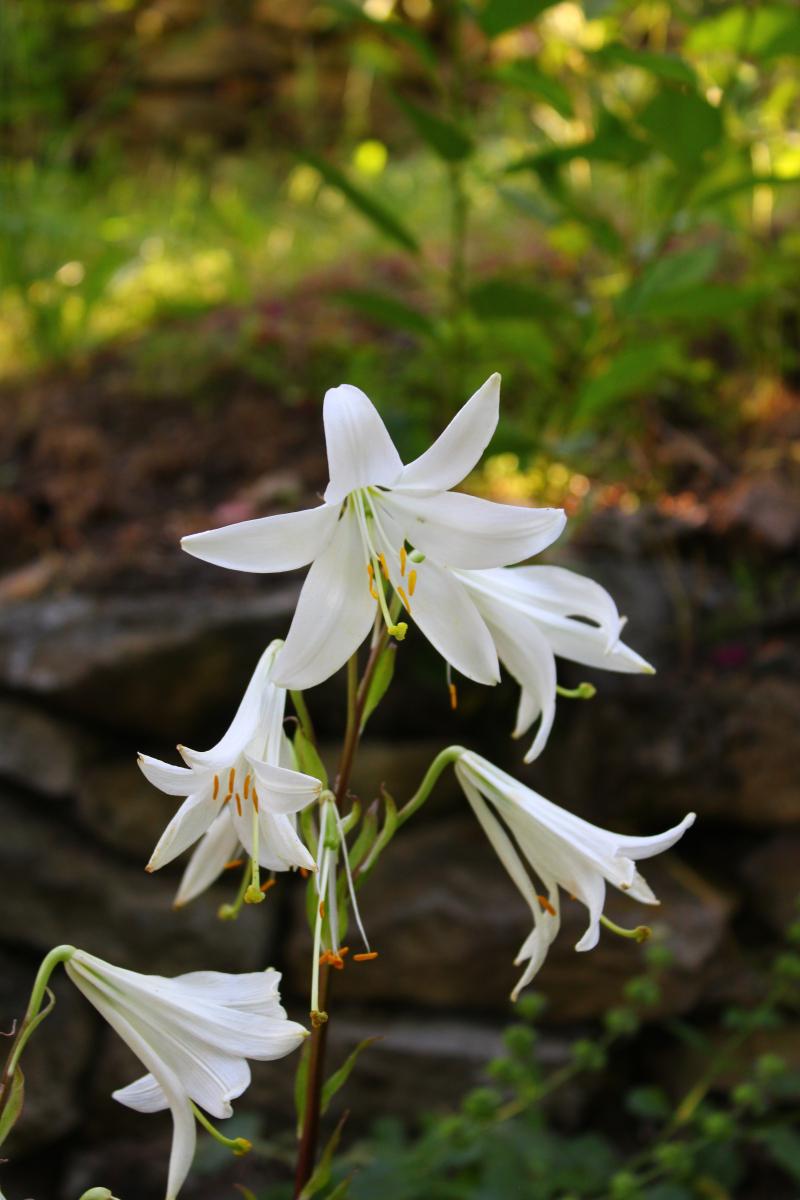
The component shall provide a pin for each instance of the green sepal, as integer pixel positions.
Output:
(301, 1085)
(307, 755)
(322, 1173)
(379, 684)
(339, 1078)
(13, 1105)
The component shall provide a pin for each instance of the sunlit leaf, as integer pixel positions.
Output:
(339, 1078)
(528, 78)
(713, 301)
(397, 30)
(388, 310)
(672, 273)
(442, 135)
(665, 66)
(499, 299)
(763, 30)
(375, 211)
(682, 125)
(498, 16)
(613, 142)
(628, 372)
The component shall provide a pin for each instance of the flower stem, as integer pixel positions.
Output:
(303, 716)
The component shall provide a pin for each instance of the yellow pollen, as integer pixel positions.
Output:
(365, 957)
(216, 786)
(304, 872)
(546, 905)
(255, 799)
(234, 862)
(451, 687)
(343, 950)
(246, 789)
(384, 567)
(412, 582)
(227, 798)
(231, 779)
(322, 908)
(270, 883)
(404, 598)
(402, 560)
(238, 804)
(371, 574)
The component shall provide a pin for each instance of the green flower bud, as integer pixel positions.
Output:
(621, 1021)
(588, 1055)
(718, 1126)
(520, 1041)
(531, 1006)
(643, 991)
(659, 956)
(746, 1095)
(481, 1104)
(624, 1186)
(770, 1066)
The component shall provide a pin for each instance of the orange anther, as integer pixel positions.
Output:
(451, 687)
(246, 788)
(322, 908)
(304, 871)
(404, 598)
(343, 950)
(270, 883)
(365, 957)
(384, 568)
(216, 787)
(255, 799)
(234, 862)
(412, 582)
(227, 799)
(238, 804)
(402, 560)
(231, 778)
(546, 905)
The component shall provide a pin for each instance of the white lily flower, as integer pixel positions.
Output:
(382, 525)
(244, 790)
(561, 849)
(536, 613)
(194, 1035)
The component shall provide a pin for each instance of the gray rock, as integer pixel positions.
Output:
(37, 751)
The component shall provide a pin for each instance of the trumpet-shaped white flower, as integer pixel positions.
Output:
(562, 850)
(194, 1035)
(536, 613)
(244, 790)
(387, 526)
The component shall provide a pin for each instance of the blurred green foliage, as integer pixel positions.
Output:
(597, 199)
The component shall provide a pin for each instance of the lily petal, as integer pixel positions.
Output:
(334, 613)
(464, 531)
(457, 450)
(282, 790)
(214, 850)
(143, 1095)
(360, 451)
(245, 724)
(190, 822)
(452, 624)
(279, 543)
(175, 781)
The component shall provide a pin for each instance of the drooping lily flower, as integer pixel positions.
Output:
(536, 613)
(562, 851)
(194, 1035)
(244, 790)
(385, 527)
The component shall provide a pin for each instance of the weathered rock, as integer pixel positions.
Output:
(61, 887)
(121, 809)
(37, 751)
(772, 875)
(448, 923)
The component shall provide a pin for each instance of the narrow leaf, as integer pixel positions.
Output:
(784, 1148)
(308, 759)
(374, 210)
(664, 66)
(13, 1105)
(528, 78)
(340, 1077)
(509, 299)
(682, 125)
(322, 1173)
(301, 1085)
(340, 1190)
(388, 310)
(444, 136)
(379, 684)
(498, 16)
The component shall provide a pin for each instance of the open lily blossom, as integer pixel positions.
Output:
(536, 613)
(384, 537)
(194, 1035)
(244, 790)
(562, 851)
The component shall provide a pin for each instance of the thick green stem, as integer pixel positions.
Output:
(33, 1015)
(303, 716)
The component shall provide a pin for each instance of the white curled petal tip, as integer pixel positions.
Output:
(175, 781)
(267, 544)
(458, 449)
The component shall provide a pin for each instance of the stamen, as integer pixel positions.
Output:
(384, 568)
(343, 951)
(246, 788)
(304, 872)
(234, 862)
(228, 798)
(453, 690)
(255, 799)
(404, 598)
(402, 560)
(365, 957)
(216, 787)
(231, 778)
(398, 631)
(322, 909)
(238, 804)
(412, 582)
(269, 883)
(371, 573)
(546, 905)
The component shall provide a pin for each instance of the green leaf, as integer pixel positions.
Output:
(784, 1148)
(322, 1173)
(508, 299)
(498, 16)
(340, 1190)
(379, 684)
(682, 125)
(376, 212)
(397, 30)
(652, 1103)
(388, 310)
(13, 1105)
(340, 1077)
(763, 31)
(713, 301)
(301, 1085)
(725, 191)
(664, 66)
(308, 759)
(443, 136)
(673, 272)
(613, 142)
(628, 372)
(528, 78)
